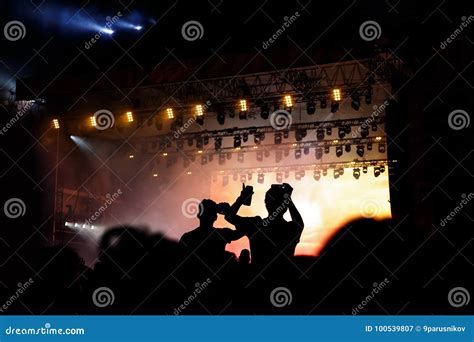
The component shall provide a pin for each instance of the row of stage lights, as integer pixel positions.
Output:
(243, 107)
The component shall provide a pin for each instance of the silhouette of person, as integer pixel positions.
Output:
(272, 240)
(206, 242)
(244, 257)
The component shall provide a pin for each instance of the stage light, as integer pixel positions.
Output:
(165, 154)
(300, 134)
(319, 153)
(364, 169)
(360, 150)
(382, 148)
(129, 116)
(328, 130)
(243, 105)
(279, 177)
(369, 146)
(338, 151)
(264, 111)
(237, 141)
(258, 138)
(336, 94)
(278, 138)
(298, 153)
(56, 123)
(341, 171)
(320, 134)
(288, 101)
(243, 115)
(355, 103)
(261, 178)
(169, 112)
(189, 173)
(155, 175)
(376, 171)
(356, 173)
(131, 156)
(368, 98)
(286, 134)
(336, 174)
(107, 31)
(334, 106)
(240, 157)
(199, 143)
(221, 117)
(374, 126)
(348, 148)
(382, 168)
(259, 156)
(310, 107)
(222, 159)
(138, 27)
(306, 150)
(325, 172)
(378, 138)
(364, 131)
(341, 132)
(326, 149)
(199, 110)
(245, 137)
(217, 144)
(199, 151)
(92, 121)
(324, 103)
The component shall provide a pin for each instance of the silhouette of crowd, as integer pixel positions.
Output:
(363, 269)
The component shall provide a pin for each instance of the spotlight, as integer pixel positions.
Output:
(317, 175)
(341, 132)
(258, 138)
(360, 150)
(382, 148)
(107, 31)
(356, 173)
(319, 153)
(376, 171)
(266, 153)
(341, 171)
(169, 113)
(199, 143)
(129, 116)
(374, 126)
(261, 178)
(222, 159)
(338, 151)
(279, 177)
(334, 106)
(237, 141)
(288, 101)
(278, 156)
(243, 105)
(326, 149)
(56, 123)
(286, 134)
(298, 153)
(348, 129)
(306, 150)
(382, 168)
(348, 148)
(310, 107)
(259, 156)
(131, 156)
(369, 146)
(320, 134)
(364, 169)
(328, 130)
(336, 174)
(325, 172)
(243, 115)
(324, 103)
(245, 137)
(218, 144)
(264, 111)
(355, 103)
(278, 138)
(240, 157)
(221, 117)
(300, 134)
(368, 97)
(199, 114)
(190, 142)
(364, 131)
(336, 94)
(138, 28)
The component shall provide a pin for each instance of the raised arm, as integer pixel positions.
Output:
(231, 212)
(295, 214)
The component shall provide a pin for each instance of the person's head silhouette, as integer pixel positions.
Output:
(275, 201)
(207, 213)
